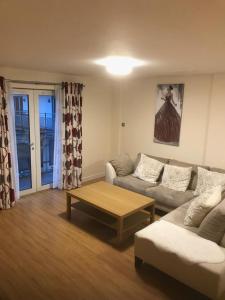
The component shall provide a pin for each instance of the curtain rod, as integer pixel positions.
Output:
(35, 82)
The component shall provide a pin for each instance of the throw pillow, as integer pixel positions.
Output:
(123, 165)
(176, 178)
(148, 169)
(213, 226)
(207, 180)
(194, 173)
(218, 170)
(182, 164)
(161, 159)
(201, 206)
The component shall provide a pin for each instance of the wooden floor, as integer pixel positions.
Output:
(44, 256)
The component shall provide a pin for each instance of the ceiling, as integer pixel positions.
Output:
(171, 36)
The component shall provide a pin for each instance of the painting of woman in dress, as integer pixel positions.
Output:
(168, 114)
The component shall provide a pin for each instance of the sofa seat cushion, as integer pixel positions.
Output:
(183, 243)
(133, 184)
(193, 275)
(168, 197)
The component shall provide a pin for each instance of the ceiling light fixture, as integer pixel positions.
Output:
(119, 65)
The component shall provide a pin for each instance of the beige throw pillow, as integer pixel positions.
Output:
(176, 178)
(148, 169)
(123, 165)
(202, 205)
(207, 180)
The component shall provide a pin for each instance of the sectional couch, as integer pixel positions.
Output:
(208, 277)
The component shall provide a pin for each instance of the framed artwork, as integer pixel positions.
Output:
(169, 106)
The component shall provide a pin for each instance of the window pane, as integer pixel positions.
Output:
(22, 125)
(47, 132)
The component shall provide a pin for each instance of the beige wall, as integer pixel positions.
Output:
(107, 104)
(215, 150)
(203, 119)
(97, 117)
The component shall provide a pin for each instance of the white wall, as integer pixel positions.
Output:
(97, 117)
(107, 104)
(215, 147)
(203, 120)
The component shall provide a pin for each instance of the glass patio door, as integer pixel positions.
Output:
(35, 131)
(44, 136)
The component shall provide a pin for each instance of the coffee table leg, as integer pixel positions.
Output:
(120, 230)
(68, 201)
(152, 211)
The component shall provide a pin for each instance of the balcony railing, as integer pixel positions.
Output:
(47, 120)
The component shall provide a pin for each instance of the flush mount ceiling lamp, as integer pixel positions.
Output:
(119, 65)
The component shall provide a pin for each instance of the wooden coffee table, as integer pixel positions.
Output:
(112, 206)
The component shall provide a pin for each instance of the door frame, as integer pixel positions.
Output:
(33, 91)
(30, 95)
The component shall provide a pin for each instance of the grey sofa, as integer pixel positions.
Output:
(208, 278)
(166, 199)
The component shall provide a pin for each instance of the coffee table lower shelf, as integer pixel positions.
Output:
(120, 225)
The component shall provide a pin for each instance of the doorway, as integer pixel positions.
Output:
(35, 133)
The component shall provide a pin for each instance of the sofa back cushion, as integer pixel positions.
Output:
(213, 226)
(123, 165)
(223, 241)
(194, 174)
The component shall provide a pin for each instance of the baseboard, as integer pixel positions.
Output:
(93, 177)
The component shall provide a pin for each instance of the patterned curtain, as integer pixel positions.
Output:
(7, 196)
(72, 135)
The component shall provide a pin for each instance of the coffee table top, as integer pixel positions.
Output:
(111, 199)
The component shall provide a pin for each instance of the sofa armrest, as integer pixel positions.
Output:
(110, 173)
